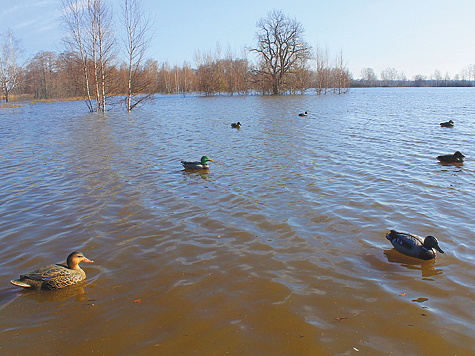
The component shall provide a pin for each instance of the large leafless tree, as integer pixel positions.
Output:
(10, 69)
(281, 48)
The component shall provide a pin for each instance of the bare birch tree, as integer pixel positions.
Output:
(280, 47)
(101, 45)
(10, 69)
(73, 18)
(89, 32)
(138, 38)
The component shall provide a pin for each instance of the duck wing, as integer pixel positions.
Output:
(53, 277)
(405, 240)
(193, 165)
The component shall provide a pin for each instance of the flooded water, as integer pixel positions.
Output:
(279, 249)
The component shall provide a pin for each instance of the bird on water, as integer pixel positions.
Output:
(457, 157)
(412, 245)
(303, 114)
(55, 276)
(202, 164)
(236, 125)
(449, 123)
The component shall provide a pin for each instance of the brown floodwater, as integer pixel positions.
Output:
(279, 249)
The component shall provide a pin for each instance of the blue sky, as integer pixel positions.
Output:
(412, 36)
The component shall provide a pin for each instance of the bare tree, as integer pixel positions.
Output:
(388, 76)
(73, 18)
(138, 26)
(42, 75)
(368, 76)
(402, 79)
(419, 80)
(437, 77)
(323, 71)
(446, 78)
(301, 76)
(281, 47)
(341, 75)
(10, 69)
(89, 32)
(101, 42)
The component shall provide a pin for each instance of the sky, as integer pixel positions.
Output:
(412, 36)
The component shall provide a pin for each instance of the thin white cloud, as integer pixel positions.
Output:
(26, 23)
(10, 10)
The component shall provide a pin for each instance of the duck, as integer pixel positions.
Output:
(412, 245)
(303, 114)
(449, 123)
(202, 164)
(457, 157)
(236, 125)
(55, 276)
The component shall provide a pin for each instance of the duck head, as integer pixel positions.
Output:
(458, 154)
(431, 242)
(75, 258)
(205, 160)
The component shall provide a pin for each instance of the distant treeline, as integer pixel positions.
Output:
(360, 83)
(390, 77)
(49, 75)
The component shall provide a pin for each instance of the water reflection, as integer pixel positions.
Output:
(426, 267)
(453, 164)
(60, 295)
(203, 173)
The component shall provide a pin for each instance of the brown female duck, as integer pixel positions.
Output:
(55, 276)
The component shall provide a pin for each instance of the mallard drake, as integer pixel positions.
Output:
(236, 125)
(457, 157)
(449, 123)
(203, 164)
(413, 245)
(303, 114)
(55, 276)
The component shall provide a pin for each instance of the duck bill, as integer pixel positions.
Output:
(91, 261)
(439, 249)
(211, 160)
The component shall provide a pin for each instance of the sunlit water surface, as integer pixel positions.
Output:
(279, 249)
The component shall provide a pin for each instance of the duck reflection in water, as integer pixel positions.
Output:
(426, 267)
(59, 295)
(203, 173)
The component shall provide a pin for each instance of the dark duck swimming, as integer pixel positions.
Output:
(457, 157)
(236, 125)
(415, 246)
(449, 123)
